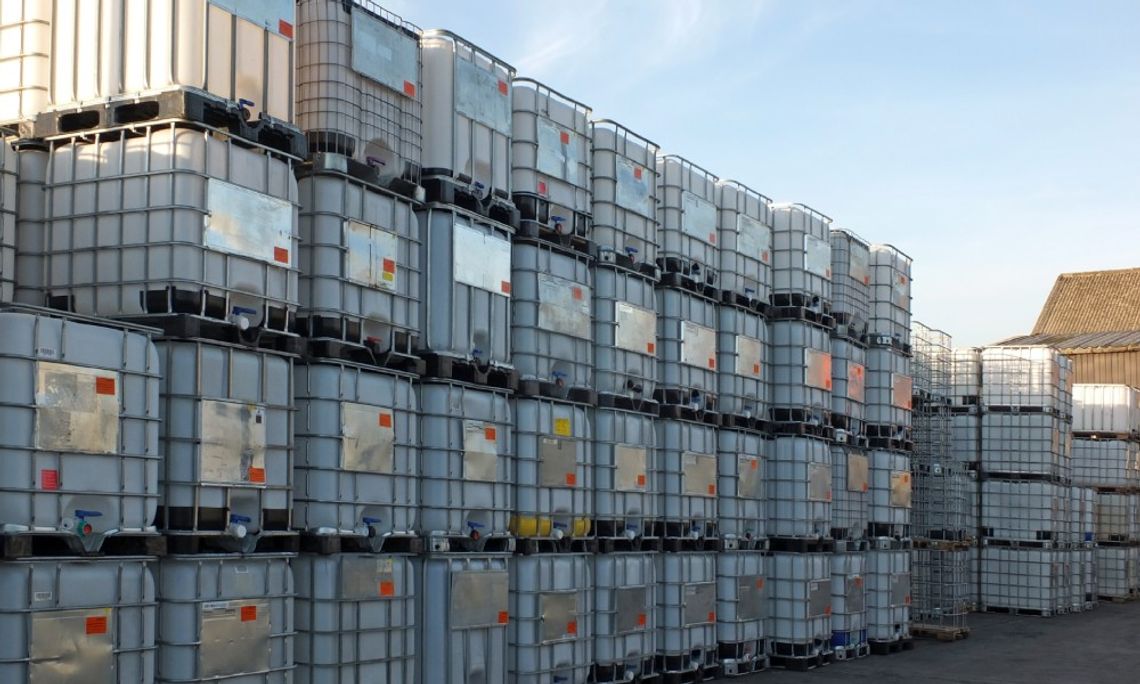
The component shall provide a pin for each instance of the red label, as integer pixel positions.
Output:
(489, 434)
(542, 187)
(866, 280)
(827, 610)
(651, 348)
(712, 616)
(386, 420)
(97, 624)
(712, 238)
(248, 613)
(829, 273)
(572, 627)
(756, 369)
(759, 582)
(502, 87)
(864, 486)
(640, 480)
(105, 386)
(712, 490)
(827, 384)
(712, 362)
(571, 479)
(504, 617)
(637, 172)
(754, 464)
(564, 137)
(409, 89)
(281, 255)
(641, 620)
(257, 475)
(284, 28)
(505, 286)
(388, 588)
(764, 256)
(389, 265)
(577, 293)
(49, 479)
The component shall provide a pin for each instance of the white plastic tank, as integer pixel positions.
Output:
(550, 632)
(356, 619)
(801, 257)
(1089, 572)
(625, 335)
(687, 202)
(891, 488)
(25, 59)
(1026, 444)
(357, 447)
(965, 375)
(237, 50)
(358, 86)
(1117, 571)
(740, 485)
(741, 610)
(30, 204)
(360, 264)
(800, 378)
(467, 115)
(225, 617)
(553, 469)
(552, 341)
(799, 600)
(1029, 511)
(848, 386)
(466, 267)
(550, 159)
(227, 437)
(850, 281)
(890, 388)
(71, 619)
(687, 472)
(9, 201)
(687, 349)
(851, 484)
(686, 611)
(799, 487)
(848, 605)
(463, 609)
(744, 231)
(195, 223)
(1033, 579)
(743, 364)
(1117, 516)
(466, 462)
(625, 485)
(624, 616)
(1106, 409)
(1106, 463)
(890, 295)
(624, 197)
(888, 594)
(78, 427)
(1026, 376)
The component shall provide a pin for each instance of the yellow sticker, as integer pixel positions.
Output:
(562, 427)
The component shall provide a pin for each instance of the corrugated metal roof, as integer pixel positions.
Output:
(1116, 341)
(1093, 301)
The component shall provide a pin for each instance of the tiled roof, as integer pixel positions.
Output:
(1115, 341)
(1092, 302)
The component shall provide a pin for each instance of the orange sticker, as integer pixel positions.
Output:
(257, 475)
(285, 28)
(505, 286)
(759, 582)
(502, 87)
(864, 486)
(542, 187)
(712, 616)
(827, 384)
(712, 362)
(385, 420)
(858, 582)
(637, 172)
(712, 238)
(387, 588)
(504, 617)
(564, 137)
(827, 610)
(281, 255)
(49, 479)
(577, 293)
(572, 627)
(712, 490)
(756, 369)
(828, 495)
(96, 624)
(641, 619)
(866, 280)
(248, 613)
(409, 89)
(389, 265)
(105, 386)
(650, 348)
(906, 600)
(489, 434)
(764, 256)
(754, 464)
(829, 273)
(571, 479)
(640, 480)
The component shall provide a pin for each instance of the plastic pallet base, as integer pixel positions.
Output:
(625, 403)
(328, 544)
(190, 543)
(465, 544)
(441, 367)
(326, 161)
(527, 546)
(889, 647)
(550, 390)
(37, 544)
(441, 186)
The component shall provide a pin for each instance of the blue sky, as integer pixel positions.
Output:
(997, 143)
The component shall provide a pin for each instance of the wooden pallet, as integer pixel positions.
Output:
(940, 632)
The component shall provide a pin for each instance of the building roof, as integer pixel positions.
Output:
(1080, 342)
(1092, 302)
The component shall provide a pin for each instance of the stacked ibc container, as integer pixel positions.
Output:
(625, 487)
(1026, 434)
(745, 240)
(889, 396)
(799, 465)
(965, 447)
(1106, 465)
(850, 306)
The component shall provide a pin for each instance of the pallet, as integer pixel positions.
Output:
(1023, 477)
(1011, 408)
(570, 233)
(885, 536)
(463, 543)
(881, 341)
(196, 108)
(732, 421)
(627, 545)
(1108, 436)
(941, 544)
(529, 546)
(1023, 543)
(192, 543)
(852, 652)
(745, 302)
(444, 187)
(626, 403)
(678, 281)
(844, 545)
(681, 412)
(398, 356)
(1117, 540)
(966, 410)
(613, 259)
(736, 661)
(889, 647)
(802, 314)
(17, 545)
(688, 544)
(1030, 612)
(850, 327)
(340, 161)
(778, 429)
(801, 663)
(329, 544)
(939, 632)
(678, 669)
(444, 367)
(551, 390)
(742, 544)
(615, 673)
(888, 444)
(801, 545)
(1119, 599)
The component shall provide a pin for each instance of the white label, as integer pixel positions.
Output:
(563, 306)
(749, 356)
(248, 223)
(858, 264)
(636, 329)
(751, 484)
(371, 255)
(753, 238)
(631, 464)
(817, 365)
(482, 260)
(633, 190)
(698, 346)
(480, 451)
(482, 96)
(77, 409)
(369, 438)
(384, 53)
(856, 382)
(558, 152)
(817, 256)
(234, 442)
(699, 472)
(698, 217)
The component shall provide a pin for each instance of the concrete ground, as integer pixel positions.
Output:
(1101, 646)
